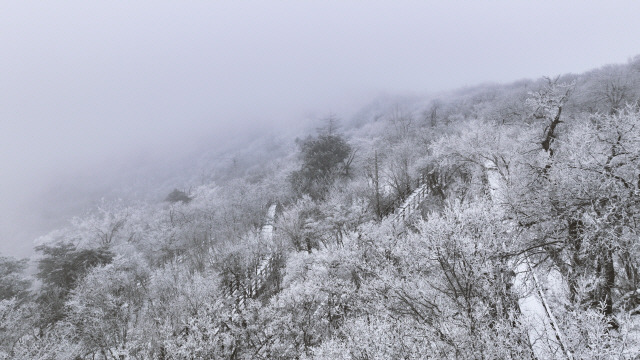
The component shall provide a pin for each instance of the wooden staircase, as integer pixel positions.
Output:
(545, 328)
(258, 276)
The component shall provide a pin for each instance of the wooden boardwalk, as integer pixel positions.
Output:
(545, 335)
(257, 277)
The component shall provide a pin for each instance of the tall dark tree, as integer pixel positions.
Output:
(60, 268)
(324, 158)
(13, 282)
(178, 196)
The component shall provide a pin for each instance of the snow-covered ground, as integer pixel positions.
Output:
(545, 337)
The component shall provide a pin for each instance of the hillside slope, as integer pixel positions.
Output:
(151, 280)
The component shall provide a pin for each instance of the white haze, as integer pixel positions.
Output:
(92, 89)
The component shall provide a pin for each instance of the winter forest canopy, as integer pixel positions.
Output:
(306, 251)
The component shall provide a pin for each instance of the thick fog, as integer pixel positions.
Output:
(93, 90)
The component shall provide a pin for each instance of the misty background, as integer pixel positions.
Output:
(123, 99)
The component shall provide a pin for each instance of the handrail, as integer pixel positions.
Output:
(412, 202)
(264, 267)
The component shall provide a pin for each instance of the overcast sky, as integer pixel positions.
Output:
(87, 83)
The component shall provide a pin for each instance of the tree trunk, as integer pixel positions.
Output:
(376, 185)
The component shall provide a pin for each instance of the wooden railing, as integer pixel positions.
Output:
(412, 203)
(258, 275)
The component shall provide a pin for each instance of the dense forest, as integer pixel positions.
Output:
(302, 248)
